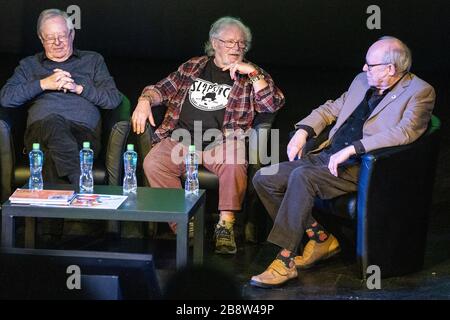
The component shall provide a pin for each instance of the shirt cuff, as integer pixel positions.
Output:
(88, 91)
(359, 148)
(151, 89)
(263, 93)
(310, 130)
(35, 88)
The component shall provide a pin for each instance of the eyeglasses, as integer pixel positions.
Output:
(52, 39)
(230, 43)
(370, 66)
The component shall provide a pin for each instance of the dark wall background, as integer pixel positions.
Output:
(303, 33)
(312, 48)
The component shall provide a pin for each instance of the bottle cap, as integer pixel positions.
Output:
(130, 147)
(35, 146)
(86, 145)
(192, 148)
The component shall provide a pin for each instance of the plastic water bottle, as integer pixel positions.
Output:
(36, 162)
(130, 162)
(86, 162)
(191, 184)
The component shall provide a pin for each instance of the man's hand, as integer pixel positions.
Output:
(141, 113)
(240, 67)
(296, 144)
(72, 87)
(340, 157)
(57, 80)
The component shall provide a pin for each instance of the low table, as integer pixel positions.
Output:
(149, 204)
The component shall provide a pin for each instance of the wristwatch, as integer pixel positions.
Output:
(255, 76)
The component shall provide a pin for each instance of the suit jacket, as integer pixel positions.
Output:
(400, 118)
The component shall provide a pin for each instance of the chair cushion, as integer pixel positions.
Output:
(21, 175)
(115, 149)
(207, 179)
(343, 206)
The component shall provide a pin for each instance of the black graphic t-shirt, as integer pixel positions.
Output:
(206, 102)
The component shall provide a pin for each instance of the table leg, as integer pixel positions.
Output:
(199, 230)
(30, 232)
(182, 244)
(8, 228)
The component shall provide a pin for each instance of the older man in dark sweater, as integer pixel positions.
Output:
(64, 89)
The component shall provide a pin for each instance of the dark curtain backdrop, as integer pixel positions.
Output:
(301, 33)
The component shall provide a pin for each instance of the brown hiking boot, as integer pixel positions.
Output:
(315, 252)
(224, 236)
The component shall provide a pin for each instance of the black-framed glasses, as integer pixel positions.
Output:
(230, 43)
(370, 66)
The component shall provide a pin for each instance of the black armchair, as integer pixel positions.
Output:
(387, 218)
(14, 167)
(259, 142)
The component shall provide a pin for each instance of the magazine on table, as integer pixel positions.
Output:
(56, 197)
(97, 201)
(66, 198)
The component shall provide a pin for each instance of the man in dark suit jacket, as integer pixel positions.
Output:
(385, 106)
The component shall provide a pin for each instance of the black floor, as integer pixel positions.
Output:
(335, 279)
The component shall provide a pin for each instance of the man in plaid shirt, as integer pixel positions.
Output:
(220, 93)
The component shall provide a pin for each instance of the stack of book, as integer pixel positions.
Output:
(42, 197)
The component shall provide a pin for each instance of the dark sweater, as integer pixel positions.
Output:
(87, 69)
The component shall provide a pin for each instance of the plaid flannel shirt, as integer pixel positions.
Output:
(242, 104)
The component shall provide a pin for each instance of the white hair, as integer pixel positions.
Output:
(221, 24)
(398, 54)
(51, 13)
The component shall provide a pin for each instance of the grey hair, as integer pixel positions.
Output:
(222, 23)
(398, 54)
(51, 13)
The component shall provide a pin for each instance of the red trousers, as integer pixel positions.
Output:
(164, 165)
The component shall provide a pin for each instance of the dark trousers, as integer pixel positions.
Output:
(289, 194)
(61, 141)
